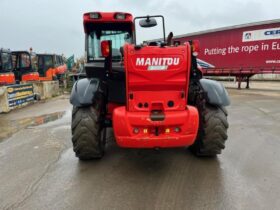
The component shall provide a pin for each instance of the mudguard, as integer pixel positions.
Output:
(84, 91)
(216, 92)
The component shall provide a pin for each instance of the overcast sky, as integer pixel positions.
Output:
(55, 26)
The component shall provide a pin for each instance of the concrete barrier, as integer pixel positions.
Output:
(19, 95)
(15, 96)
(266, 77)
(46, 89)
(4, 105)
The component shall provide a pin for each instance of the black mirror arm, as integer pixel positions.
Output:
(148, 17)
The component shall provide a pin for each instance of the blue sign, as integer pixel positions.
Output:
(20, 95)
(272, 32)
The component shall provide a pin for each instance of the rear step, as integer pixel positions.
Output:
(157, 115)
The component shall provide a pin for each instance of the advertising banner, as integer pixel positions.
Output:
(256, 46)
(20, 95)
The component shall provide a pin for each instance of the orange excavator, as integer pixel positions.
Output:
(7, 77)
(25, 66)
(51, 67)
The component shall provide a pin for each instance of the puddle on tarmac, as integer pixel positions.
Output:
(8, 128)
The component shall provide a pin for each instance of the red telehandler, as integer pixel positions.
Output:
(152, 94)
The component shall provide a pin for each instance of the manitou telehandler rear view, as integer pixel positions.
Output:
(152, 94)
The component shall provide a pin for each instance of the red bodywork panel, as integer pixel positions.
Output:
(34, 76)
(124, 122)
(156, 80)
(7, 78)
(157, 87)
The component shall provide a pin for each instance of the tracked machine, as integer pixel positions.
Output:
(51, 67)
(25, 66)
(7, 77)
(153, 95)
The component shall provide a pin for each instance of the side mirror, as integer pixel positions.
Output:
(148, 22)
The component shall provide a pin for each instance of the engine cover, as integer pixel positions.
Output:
(157, 77)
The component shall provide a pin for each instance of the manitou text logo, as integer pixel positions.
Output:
(157, 61)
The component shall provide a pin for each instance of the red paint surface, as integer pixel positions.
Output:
(7, 78)
(34, 76)
(124, 122)
(156, 88)
(106, 17)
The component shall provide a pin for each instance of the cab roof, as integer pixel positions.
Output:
(99, 18)
(21, 51)
(47, 54)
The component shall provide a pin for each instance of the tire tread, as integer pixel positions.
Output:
(212, 133)
(86, 133)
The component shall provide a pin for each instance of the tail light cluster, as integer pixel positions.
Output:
(117, 16)
(195, 47)
(156, 131)
(170, 104)
(141, 105)
(105, 48)
(120, 16)
(95, 15)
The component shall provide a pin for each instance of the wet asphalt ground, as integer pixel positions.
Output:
(38, 169)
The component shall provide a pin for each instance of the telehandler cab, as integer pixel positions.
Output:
(152, 94)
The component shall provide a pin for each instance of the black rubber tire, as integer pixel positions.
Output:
(212, 132)
(87, 133)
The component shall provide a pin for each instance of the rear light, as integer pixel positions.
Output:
(136, 130)
(195, 47)
(167, 130)
(145, 130)
(94, 15)
(177, 130)
(120, 16)
(105, 48)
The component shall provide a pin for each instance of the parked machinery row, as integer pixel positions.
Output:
(22, 66)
